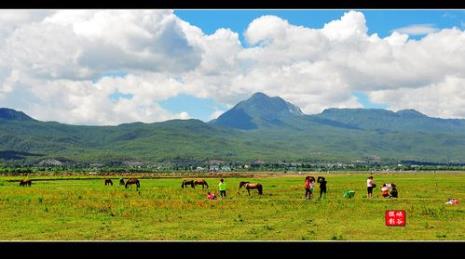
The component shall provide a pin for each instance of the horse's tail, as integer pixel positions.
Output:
(260, 189)
(182, 185)
(206, 183)
(138, 183)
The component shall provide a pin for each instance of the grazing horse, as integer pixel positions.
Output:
(249, 186)
(201, 182)
(185, 183)
(121, 181)
(108, 182)
(132, 181)
(25, 183)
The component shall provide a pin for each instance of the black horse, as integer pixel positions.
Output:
(186, 183)
(121, 181)
(25, 183)
(249, 186)
(132, 181)
(108, 182)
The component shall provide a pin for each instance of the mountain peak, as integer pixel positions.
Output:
(260, 110)
(271, 105)
(410, 113)
(13, 115)
(259, 95)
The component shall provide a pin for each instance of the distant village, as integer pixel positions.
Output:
(226, 166)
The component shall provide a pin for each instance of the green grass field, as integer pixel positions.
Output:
(88, 210)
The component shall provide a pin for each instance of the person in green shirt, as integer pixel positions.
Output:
(222, 188)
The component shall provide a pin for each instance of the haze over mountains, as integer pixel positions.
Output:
(261, 127)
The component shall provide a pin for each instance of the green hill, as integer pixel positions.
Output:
(262, 127)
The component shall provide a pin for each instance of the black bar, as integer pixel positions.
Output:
(226, 4)
(373, 249)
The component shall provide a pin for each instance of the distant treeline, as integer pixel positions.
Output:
(294, 167)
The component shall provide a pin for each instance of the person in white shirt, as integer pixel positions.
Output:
(370, 185)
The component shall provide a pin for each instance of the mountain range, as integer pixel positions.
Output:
(259, 128)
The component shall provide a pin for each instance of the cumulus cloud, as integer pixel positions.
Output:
(10, 20)
(216, 114)
(78, 44)
(52, 62)
(417, 29)
(443, 99)
(184, 116)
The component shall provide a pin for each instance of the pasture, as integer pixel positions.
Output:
(86, 209)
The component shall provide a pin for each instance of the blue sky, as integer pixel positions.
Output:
(196, 107)
(382, 22)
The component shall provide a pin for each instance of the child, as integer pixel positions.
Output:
(222, 188)
(211, 196)
(452, 201)
(385, 191)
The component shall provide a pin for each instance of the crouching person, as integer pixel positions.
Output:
(394, 193)
(211, 196)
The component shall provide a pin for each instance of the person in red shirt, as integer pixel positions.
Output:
(211, 196)
(309, 183)
(385, 191)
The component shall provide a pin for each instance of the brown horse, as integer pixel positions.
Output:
(193, 183)
(249, 186)
(25, 183)
(108, 182)
(201, 182)
(132, 181)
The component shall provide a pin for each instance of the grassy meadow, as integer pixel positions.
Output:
(88, 210)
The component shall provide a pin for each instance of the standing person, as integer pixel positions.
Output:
(312, 185)
(370, 185)
(307, 187)
(322, 181)
(222, 188)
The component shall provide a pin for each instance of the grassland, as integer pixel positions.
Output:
(87, 210)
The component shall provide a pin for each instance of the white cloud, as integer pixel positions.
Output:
(417, 29)
(51, 62)
(351, 25)
(10, 20)
(216, 114)
(87, 102)
(184, 116)
(444, 99)
(80, 44)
